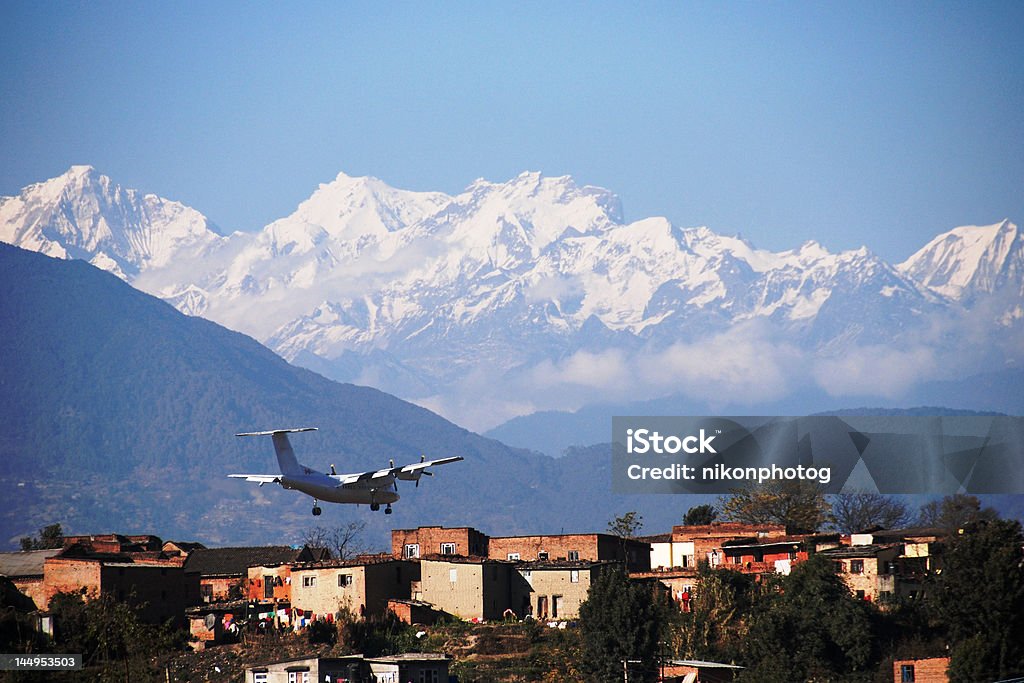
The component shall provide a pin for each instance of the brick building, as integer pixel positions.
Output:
(773, 555)
(921, 670)
(704, 543)
(223, 573)
(159, 591)
(634, 553)
(362, 587)
(438, 540)
(25, 571)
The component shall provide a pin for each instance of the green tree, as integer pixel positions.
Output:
(979, 598)
(800, 506)
(700, 515)
(50, 536)
(811, 629)
(621, 621)
(715, 626)
(955, 512)
(626, 525)
(853, 512)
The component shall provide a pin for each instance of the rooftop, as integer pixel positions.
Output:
(25, 563)
(236, 561)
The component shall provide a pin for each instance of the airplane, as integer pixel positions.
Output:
(370, 488)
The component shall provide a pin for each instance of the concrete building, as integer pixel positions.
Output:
(438, 540)
(634, 553)
(555, 590)
(417, 667)
(469, 587)
(870, 571)
(363, 587)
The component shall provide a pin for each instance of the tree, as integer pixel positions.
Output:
(853, 512)
(343, 542)
(715, 625)
(50, 536)
(812, 629)
(800, 506)
(979, 598)
(621, 621)
(955, 512)
(626, 525)
(700, 515)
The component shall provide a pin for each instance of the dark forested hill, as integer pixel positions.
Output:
(119, 414)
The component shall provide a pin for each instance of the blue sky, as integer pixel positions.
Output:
(849, 123)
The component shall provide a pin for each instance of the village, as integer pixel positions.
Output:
(434, 574)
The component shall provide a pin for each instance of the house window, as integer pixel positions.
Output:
(411, 550)
(513, 557)
(542, 556)
(556, 606)
(574, 555)
(856, 566)
(268, 586)
(308, 581)
(260, 677)
(453, 575)
(574, 576)
(429, 676)
(907, 673)
(344, 580)
(206, 592)
(447, 548)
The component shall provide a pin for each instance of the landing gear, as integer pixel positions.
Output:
(375, 506)
(316, 509)
(387, 510)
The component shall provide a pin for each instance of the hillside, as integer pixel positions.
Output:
(119, 414)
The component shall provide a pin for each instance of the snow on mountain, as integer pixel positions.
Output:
(431, 296)
(83, 214)
(968, 261)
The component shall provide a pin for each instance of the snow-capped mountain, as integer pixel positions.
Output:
(82, 214)
(492, 302)
(970, 261)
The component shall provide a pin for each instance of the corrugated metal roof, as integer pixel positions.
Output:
(25, 563)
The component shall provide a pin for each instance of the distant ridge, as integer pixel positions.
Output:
(536, 294)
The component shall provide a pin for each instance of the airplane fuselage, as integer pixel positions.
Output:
(326, 488)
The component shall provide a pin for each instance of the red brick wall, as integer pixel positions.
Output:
(635, 554)
(69, 576)
(256, 589)
(925, 670)
(468, 541)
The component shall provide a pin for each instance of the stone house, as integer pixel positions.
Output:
(933, 670)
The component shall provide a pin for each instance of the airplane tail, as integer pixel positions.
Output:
(283, 448)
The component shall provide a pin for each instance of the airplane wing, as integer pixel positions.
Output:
(416, 467)
(258, 478)
(411, 472)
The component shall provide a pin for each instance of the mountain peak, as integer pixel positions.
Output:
(969, 259)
